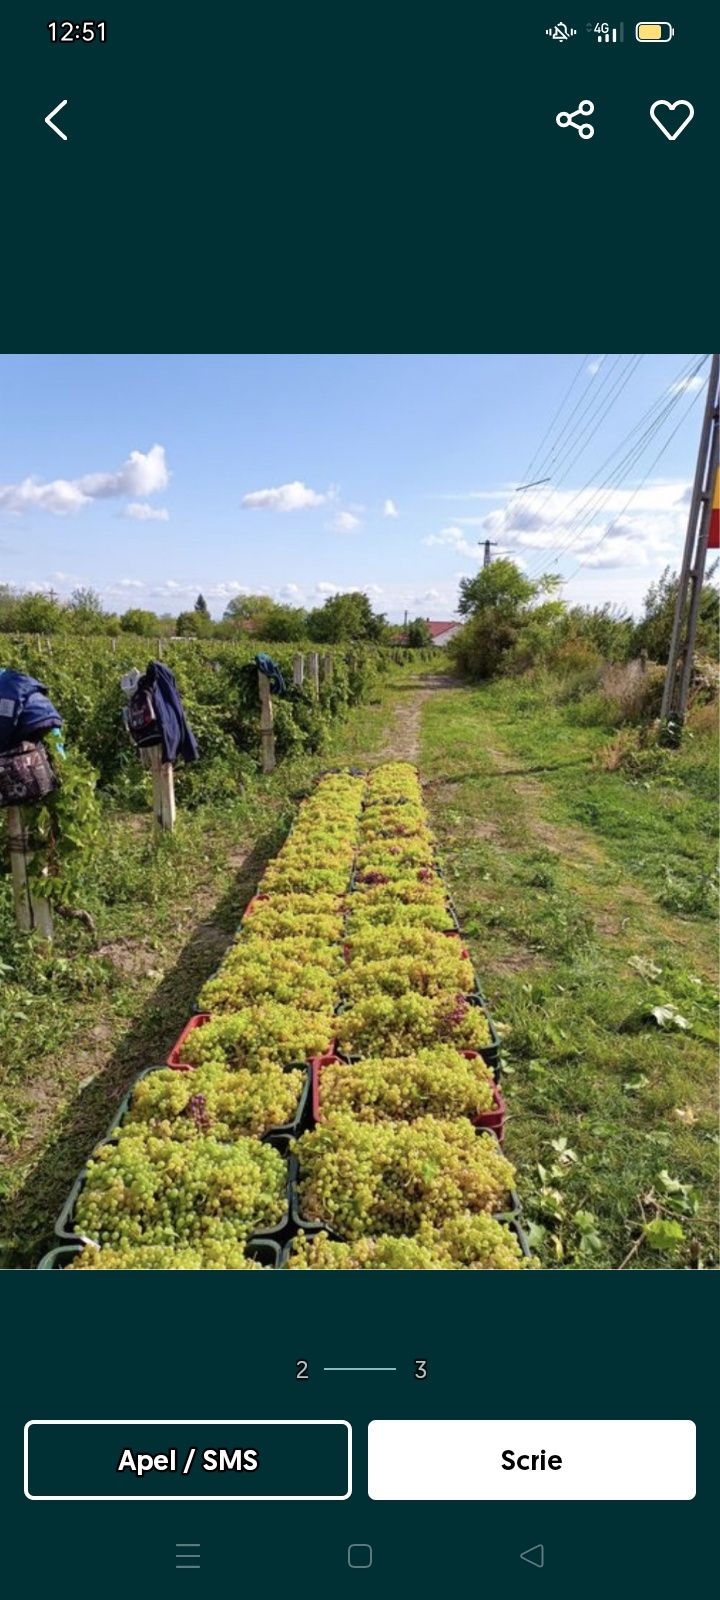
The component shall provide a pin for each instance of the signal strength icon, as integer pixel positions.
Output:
(561, 32)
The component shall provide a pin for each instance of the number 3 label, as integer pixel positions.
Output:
(420, 1369)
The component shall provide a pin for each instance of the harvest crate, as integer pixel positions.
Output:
(175, 1057)
(493, 1120)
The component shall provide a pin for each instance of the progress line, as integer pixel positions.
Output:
(359, 1369)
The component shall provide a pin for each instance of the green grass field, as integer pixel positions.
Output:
(587, 898)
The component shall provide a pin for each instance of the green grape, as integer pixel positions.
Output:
(259, 1036)
(389, 1177)
(446, 969)
(153, 1258)
(438, 1082)
(234, 1103)
(384, 1024)
(144, 1189)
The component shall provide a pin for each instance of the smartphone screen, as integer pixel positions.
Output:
(358, 799)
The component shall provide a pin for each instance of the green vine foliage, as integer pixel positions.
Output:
(64, 833)
(218, 682)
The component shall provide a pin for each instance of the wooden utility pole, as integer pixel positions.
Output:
(267, 736)
(32, 914)
(298, 671)
(692, 571)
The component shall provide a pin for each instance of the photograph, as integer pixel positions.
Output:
(359, 812)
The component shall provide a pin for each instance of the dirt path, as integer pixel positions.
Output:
(403, 736)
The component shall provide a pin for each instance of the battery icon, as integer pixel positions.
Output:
(654, 32)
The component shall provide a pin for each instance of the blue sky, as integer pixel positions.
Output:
(153, 477)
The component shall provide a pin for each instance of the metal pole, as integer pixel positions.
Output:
(680, 604)
(698, 572)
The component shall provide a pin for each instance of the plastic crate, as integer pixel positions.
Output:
(60, 1257)
(494, 1119)
(175, 1059)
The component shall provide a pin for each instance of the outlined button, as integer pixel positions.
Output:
(49, 120)
(672, 117)
(567, 119)
(359, 1555)
(535, 1556)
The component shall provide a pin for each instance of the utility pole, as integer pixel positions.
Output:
(487, 558)
(692, 571)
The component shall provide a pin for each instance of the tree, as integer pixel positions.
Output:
(187, 625)
(86, 601)
(38, 613)
(345, 616)
(654, 630)
(284, 624)
(418, 634)
(201, 605)
(144, 623)
(498, 603)
(248, 608)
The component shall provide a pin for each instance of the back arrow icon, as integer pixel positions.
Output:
(535, 1556)
(51, 124)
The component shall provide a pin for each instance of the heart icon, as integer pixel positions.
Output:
(671, 105)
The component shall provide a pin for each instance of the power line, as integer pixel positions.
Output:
(650, 422)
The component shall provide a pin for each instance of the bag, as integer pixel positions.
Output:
(26, 775)
(142, 721)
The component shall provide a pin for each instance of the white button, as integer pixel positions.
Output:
(568, 1460)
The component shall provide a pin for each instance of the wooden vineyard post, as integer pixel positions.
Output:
(298, 671)
(267, 736)
(312, 666)
(163, 785)
(31, 913)
(327, 668)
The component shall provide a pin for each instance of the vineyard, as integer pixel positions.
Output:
(266, 1040)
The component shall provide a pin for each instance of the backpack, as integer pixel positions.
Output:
(141, 719)
(26, 775)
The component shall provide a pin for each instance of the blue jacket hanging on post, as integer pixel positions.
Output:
(177, 737)
(272, 671)
(26, 713)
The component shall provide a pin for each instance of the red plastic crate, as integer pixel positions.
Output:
(175, 1057)
(494, 1119)
(252, 905)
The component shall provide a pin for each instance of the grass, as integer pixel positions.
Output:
(79, 1024)
(586, 896)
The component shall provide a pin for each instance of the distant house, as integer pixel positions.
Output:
(440, 632)
(443, 632)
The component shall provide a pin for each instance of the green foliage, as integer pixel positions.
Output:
(345, 616)
(65, 833)
(654, 629)
(418, 636)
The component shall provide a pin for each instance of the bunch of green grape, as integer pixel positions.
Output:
(447, 970)
(256, 971)
(144, 1189)
(396, 1025)
(389, 1177)
(393, 913)
(438, 1082)
(462, 1243)
(283, 878)
(163, 1258)
(260, 1036)
(282, 918)
(234, 1103)
(382, 943)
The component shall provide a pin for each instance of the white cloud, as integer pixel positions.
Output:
(140, 511)
(294, 496)
(453, 538)
(390, 509)
(141, 474)
(343, 522)
(688, 385)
